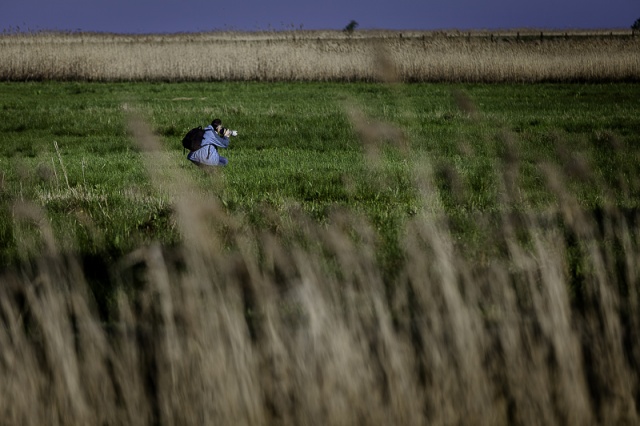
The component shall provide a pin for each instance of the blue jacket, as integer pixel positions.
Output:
(208, 154)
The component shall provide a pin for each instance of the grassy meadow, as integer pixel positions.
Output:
(66, 147)
(459, 252)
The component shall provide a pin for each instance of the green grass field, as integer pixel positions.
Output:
(298, 146)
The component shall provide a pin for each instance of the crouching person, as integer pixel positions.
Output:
(215, 137)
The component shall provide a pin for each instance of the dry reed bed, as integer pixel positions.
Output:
(253, 328)
(318, 56)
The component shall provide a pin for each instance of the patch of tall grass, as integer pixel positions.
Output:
(304, 324)
(320, 56)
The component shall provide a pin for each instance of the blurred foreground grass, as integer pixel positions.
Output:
(299, 324)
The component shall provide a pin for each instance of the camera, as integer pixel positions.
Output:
(227, 132)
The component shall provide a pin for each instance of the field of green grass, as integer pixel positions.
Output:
(373, 253)
(66, 148)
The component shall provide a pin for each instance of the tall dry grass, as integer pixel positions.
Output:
(320, 56)
(238, 326)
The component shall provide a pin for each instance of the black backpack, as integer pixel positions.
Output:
(193, 139)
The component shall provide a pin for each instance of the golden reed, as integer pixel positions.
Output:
(322, 56)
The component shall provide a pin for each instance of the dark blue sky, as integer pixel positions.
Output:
(170, 16)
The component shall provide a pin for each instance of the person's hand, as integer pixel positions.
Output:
(228, 133)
